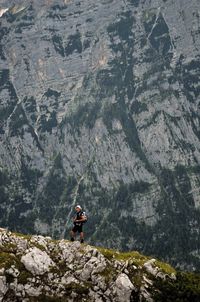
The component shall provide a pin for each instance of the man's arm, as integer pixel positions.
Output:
(82, 219)
(74, 218)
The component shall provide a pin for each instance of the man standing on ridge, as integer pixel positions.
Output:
(78, 220)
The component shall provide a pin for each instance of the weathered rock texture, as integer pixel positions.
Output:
(35, 268)
(99, 104)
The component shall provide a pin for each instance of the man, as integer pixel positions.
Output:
(78, 220)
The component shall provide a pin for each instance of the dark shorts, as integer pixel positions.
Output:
(77, 228)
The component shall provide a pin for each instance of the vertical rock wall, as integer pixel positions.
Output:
(99, 104)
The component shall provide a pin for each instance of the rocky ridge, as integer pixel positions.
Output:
(37, 268)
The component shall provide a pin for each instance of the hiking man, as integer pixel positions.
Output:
(79, 219)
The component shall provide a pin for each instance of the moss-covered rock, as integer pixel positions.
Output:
(79, 271)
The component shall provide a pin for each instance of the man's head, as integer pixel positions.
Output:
(78, 208)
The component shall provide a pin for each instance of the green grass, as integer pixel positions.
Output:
(45, 298)
(23, 277)
(165, 267)
(27, 236)
(9, 247)
(78, 288)
(136, 257)
(6, 260)
(38, 245)
(109, 273)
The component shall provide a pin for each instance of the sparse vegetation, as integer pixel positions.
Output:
(183, 286)
(7, 259)
(24, 276)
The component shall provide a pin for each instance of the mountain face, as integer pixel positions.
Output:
(99, 105)
(36, 268)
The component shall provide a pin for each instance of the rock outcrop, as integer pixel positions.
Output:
(71, 271)
(99, 104)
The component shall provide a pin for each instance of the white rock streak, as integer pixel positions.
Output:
(2, 11)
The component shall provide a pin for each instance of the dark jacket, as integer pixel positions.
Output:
(79, 216)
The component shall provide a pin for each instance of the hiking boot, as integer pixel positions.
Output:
(72, 239)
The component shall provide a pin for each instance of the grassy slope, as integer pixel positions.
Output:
(186, 286)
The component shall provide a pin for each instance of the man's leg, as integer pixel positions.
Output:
(82, 237)
(72, 234)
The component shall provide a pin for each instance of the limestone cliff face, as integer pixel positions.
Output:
(99, 104)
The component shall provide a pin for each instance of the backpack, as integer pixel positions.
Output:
(86, 218)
